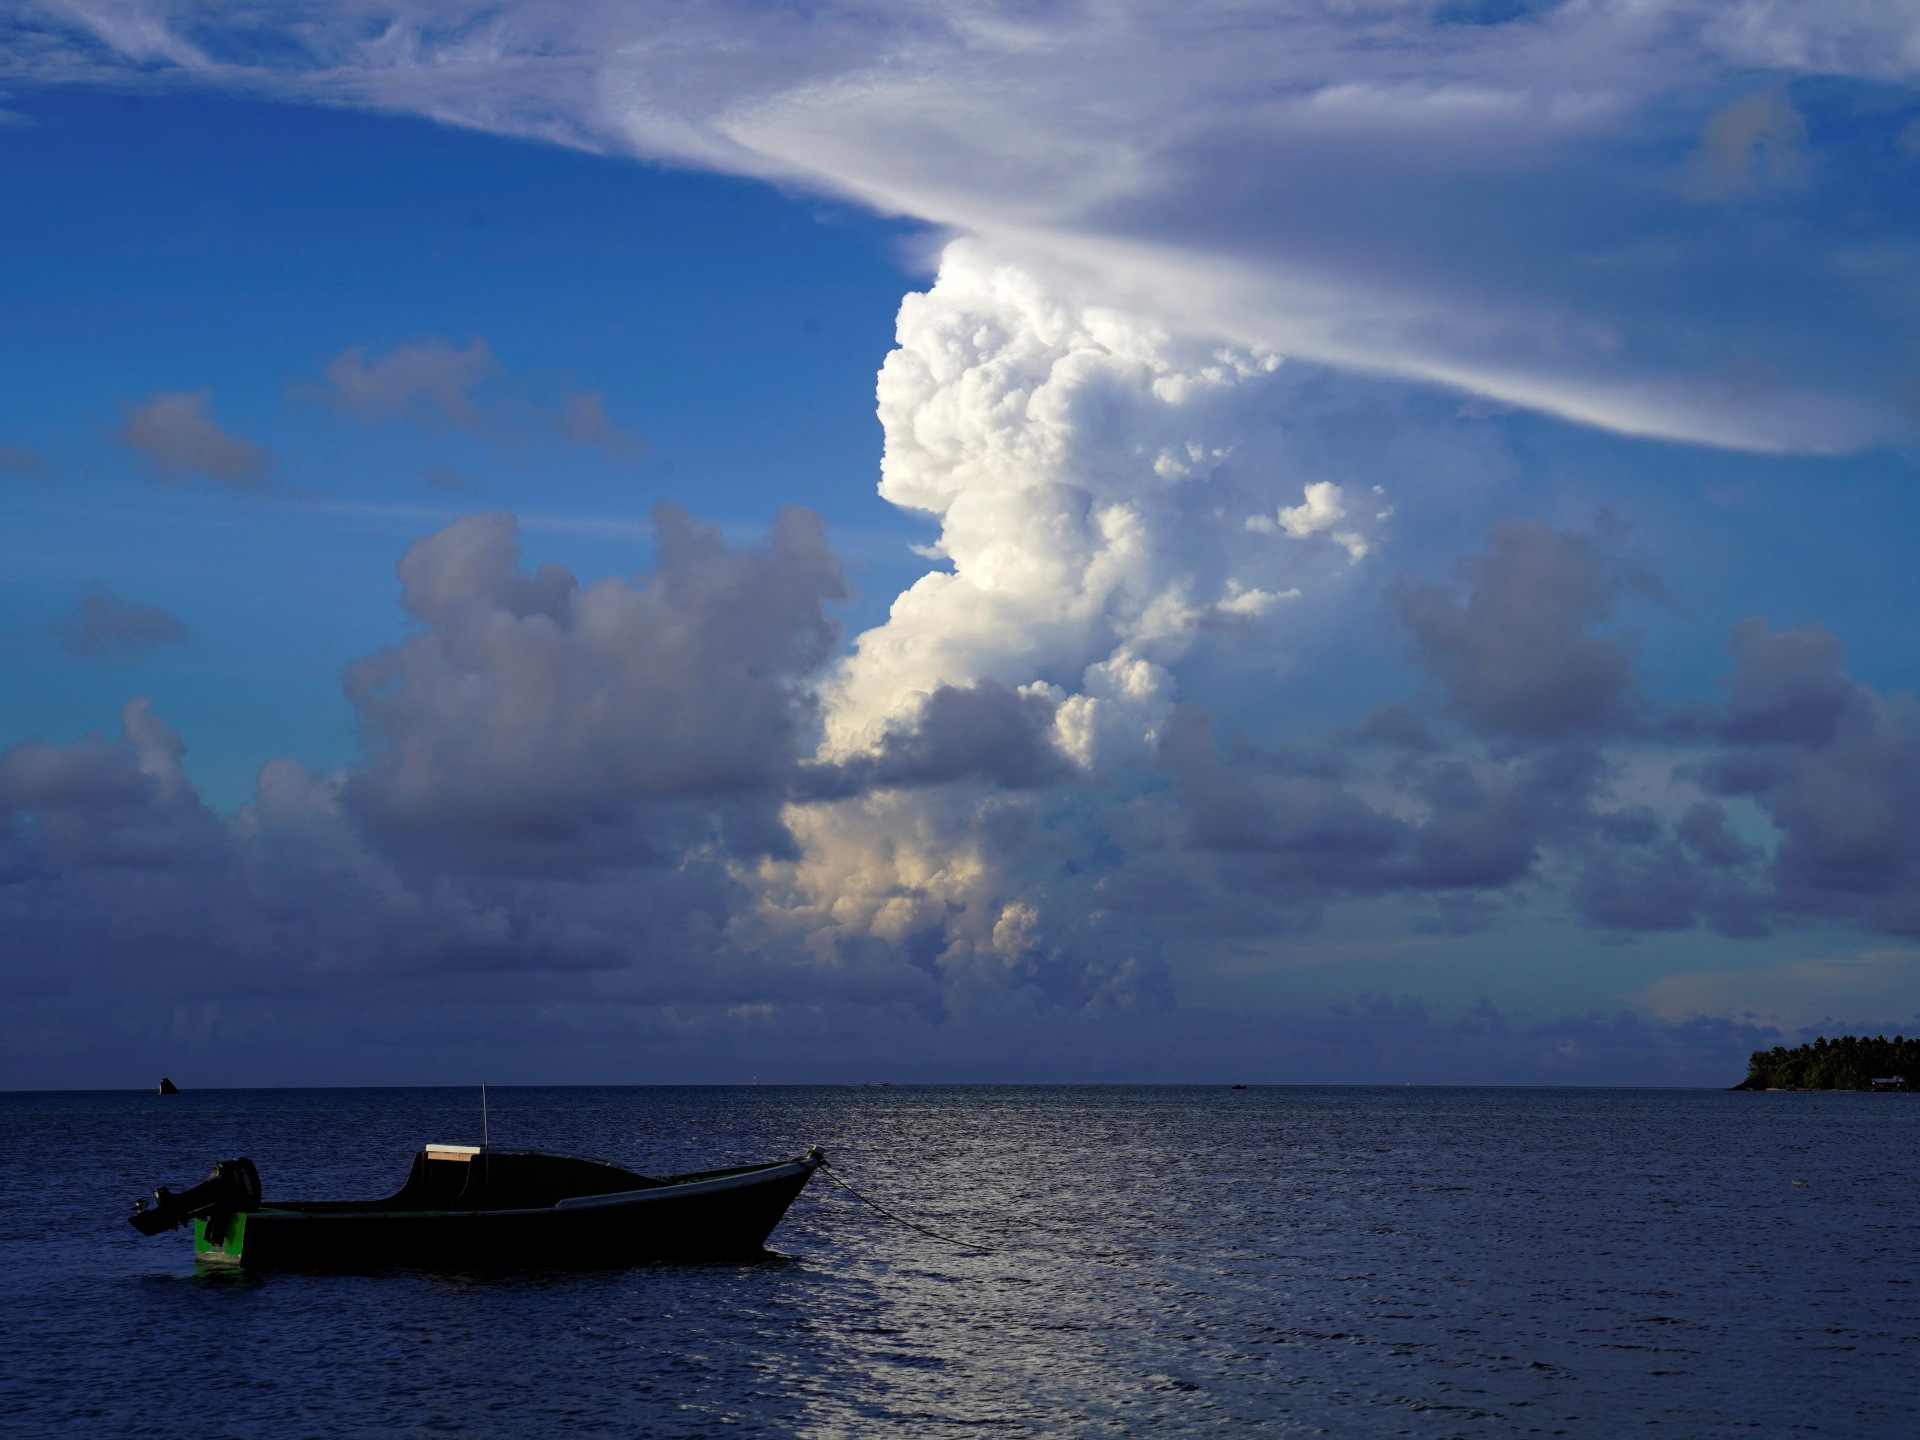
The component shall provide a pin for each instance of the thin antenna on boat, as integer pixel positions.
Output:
(484, 1139)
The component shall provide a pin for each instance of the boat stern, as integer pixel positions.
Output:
(220, 1239)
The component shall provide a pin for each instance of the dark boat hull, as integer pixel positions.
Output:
(715, 1217)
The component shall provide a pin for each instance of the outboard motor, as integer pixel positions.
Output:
(232, 1186)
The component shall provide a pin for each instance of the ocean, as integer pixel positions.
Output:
(1329, 1261)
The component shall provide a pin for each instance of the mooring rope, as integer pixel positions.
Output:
(901, 1219)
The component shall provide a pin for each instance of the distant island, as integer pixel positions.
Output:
(1848, 1062)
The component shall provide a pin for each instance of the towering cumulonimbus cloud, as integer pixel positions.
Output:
(502, 838)
(1130, 397)
(1092, 473)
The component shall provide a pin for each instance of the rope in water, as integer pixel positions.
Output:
(901, 1219)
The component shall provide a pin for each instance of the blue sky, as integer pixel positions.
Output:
(190, 242)
(1282, 620)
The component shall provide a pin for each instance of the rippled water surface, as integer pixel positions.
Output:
(1349, 1262)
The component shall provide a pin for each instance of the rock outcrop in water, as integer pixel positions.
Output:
(1847, 1062)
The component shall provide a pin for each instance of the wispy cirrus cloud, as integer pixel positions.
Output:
(1503, 202)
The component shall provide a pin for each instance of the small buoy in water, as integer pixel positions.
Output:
(167, 1087)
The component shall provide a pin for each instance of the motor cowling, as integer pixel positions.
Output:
(233, 1185)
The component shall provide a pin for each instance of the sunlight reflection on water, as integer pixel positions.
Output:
(1341, 1261)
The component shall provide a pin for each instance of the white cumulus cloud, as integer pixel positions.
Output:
(1082, 461)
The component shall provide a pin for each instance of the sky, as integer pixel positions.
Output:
(1331, 542)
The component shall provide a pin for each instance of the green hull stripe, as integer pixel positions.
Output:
(231, 1239)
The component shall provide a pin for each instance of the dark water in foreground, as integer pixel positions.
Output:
(1349, 1262)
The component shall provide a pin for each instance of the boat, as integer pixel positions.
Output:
(470, 1207)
